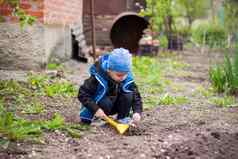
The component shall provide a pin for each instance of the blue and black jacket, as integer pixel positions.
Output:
(99, 84)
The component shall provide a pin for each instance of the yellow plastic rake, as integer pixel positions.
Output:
(121, 128)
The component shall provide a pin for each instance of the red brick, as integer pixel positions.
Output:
(5, 12)
(25, 6)
(38, 14)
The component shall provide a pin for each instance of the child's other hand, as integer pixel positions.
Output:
(100, 113)
(135, 119)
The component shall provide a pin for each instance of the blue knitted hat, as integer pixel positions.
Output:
(120, 60)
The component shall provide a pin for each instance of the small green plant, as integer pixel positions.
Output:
(60, 89)
(167, 99)
(217, 77)
(14, 128)
(226, 101)
(181, 100)
(57, 122)
(51, 87)
(54, 66)
(12, 88)
(224, 78)
(24, 18)
(33, 108)
(38, 82)
(201, 91)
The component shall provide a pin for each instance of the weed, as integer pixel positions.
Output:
(51, 87)
(150, 102)
(60, 89)
(13, 128)
(201, 91)
(167, 99)
(226, 101)
(224, 78)
(35, 107)
(54, 66)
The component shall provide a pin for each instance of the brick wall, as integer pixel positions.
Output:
(33, 46)
(47, 11)
(63, 11)
(34, 8)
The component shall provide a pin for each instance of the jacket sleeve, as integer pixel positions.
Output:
(87, 92)
(137, 106)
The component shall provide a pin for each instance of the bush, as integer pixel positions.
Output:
(212, 35)
(224, 78)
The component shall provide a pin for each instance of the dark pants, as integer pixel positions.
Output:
(121, 106)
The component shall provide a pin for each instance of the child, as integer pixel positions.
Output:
(111, 89)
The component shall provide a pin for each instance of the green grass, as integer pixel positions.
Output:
(226, 101)
(167, 54)
(149, 73)
(35, 107)
(150, 102)
(204, 92)
(167, 99)
(60, 89)
(147, 69)
(217, 77)
(177, 87)
(14, 128)
(52, 87)
(54, 66)
(224, 77)
(21, 99)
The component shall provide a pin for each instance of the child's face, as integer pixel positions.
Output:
(117, 76)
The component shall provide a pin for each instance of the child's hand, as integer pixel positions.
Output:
(135, 119)
(100, 113)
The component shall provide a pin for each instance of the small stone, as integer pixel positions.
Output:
(142, 155)
(162, 150)
(170, 136)
(33, 153)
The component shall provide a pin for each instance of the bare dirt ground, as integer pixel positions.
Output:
(197, 130)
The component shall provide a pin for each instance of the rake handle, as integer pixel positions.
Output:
(111, 121)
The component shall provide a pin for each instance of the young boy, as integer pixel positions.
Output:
(111, 89)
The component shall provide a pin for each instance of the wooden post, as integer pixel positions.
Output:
(152, 23)
(93, 41)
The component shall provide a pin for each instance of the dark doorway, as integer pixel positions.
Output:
(76, 50)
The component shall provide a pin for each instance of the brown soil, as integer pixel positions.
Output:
(197, 130)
